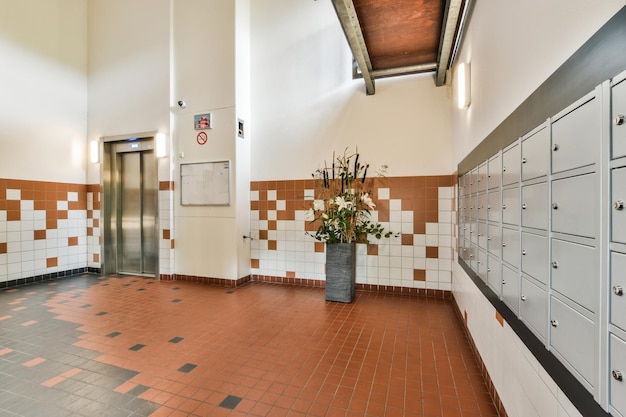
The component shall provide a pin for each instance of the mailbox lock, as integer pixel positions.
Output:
(554, 323)
(523, 297)
(555, 206)
(618, 205)
(555, 264)
(524, 206)
(524, 252)
(503, 282)
(503, 206)
(523, 160)
(503, 169)
(619, 119)
(618, 290)
(504, 244)
(617, 375)
(488, 269)
(555, 147)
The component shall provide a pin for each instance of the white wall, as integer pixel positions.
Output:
(210, 59)
(243, 71)
(513, 47)
(525, 388)
(43, 79)
(306, 105)
(129, 73)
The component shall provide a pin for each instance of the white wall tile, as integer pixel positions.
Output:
(13, 194)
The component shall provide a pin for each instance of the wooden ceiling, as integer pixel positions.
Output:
(399, 37)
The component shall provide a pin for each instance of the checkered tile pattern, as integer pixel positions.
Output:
(166, 225)
(49, 229)
(419, 209)
(43, 228)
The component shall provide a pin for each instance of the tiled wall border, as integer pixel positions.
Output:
(381, 289)
(166, 228)
(41, 278)
(420, 209)
(222, 282)
(43, 229)
(94, 240)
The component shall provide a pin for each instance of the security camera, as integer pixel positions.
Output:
(182, 104)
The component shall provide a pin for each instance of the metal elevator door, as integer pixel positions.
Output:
(137, 240)
(130, 208)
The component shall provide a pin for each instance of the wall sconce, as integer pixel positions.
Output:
(463, 82)
(94, 151)
(161, 145)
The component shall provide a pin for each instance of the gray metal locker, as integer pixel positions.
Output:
(483, 235)
(510, 288)
(576, 137)
(510, 246)
(618, 211)
(618, 374)
(464, 250)
(511, 206)
(575, 205)
(618, 290)
(573, 338)
(618, 108)
(494, 206)
(511, 165)
(482, 206)
(494, 274)
(482, 264)
(536, 154)
(534, 308)
(575, 272)
(535, 256)
(482, 177)
(494, 171)
(494, 238)
(474, 181)
(535, 206)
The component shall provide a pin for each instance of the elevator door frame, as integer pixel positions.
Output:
(112, 146)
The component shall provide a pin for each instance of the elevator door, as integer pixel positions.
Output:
(137, 251)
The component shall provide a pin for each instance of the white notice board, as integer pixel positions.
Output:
(205, 184)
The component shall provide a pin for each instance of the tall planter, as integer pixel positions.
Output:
(340, 272)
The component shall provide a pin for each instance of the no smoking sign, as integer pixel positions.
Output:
(201, 138)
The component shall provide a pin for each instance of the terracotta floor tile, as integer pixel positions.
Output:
(181, 349)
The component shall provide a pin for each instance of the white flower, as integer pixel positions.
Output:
(318, 205)
(365, 198)
(310, 214)
(342, 203)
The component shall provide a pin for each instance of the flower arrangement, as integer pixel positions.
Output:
(342, 209)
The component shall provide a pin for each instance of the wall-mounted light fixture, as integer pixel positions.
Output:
(94, 151)
(161, 145)
(463, 82)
